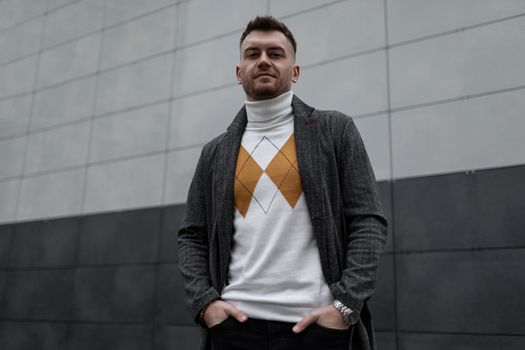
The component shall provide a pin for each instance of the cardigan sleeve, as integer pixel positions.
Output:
(366, 225)
(194, 245)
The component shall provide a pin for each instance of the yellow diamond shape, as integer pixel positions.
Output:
(284, 174)
(247, 174)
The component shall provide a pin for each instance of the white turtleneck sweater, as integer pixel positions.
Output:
(275, 271)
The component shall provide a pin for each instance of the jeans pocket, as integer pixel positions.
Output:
(331, 330)
(222, 323)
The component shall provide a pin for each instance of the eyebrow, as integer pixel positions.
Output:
(254, 48)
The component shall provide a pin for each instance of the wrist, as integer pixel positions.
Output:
(203, 311)
(344, 310)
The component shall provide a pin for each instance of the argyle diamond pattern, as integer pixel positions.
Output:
(282, 170)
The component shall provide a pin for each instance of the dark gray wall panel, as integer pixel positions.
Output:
(172, 299)
(500, 206)
(110, 337)
(171, 219)
(459, 342)
(385, 195)
(434, 213)
(45, 243)
(115, 294)
(476, 210)
(3, 276)
(473, 291)
(382, 302)
(177, 338)
(33, 336)
(43, 294)
(6, 233)
(386, 341)
(126, 237)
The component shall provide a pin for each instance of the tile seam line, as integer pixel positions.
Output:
(391, 188)
(104, 29)
(74, 321)
(455, 31)
(31, 116)
(116, 24)
(138, 17)
(73, 267)
(311, 9)
(101, 162)
(168, 52)
(216, 37)
(221, 87)
(43, 14)
(99, 31)
(158, 263)
(457, 99)
(462, 333)
(457, 172)
(456, 250)
(72, 312)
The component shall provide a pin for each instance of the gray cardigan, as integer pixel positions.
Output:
(341, 195)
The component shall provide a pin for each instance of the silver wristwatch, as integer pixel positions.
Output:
(344, 310)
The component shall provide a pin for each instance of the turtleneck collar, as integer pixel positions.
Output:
(266, 112)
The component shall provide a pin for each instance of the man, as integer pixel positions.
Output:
(283, 229)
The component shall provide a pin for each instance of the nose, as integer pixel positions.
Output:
(264, 60)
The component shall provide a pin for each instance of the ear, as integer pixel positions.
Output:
(238, 74)
(296, 73)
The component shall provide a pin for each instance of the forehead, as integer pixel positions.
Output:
(264, 39)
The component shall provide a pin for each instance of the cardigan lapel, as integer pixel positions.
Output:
(224, 178)
(306, 128)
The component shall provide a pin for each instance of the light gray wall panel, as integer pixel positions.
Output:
(354, 86)
(472, 134)
(69, 61)
(478, 60)
(47, 150)
(124, 184)
(131, 133)
(337, 30)
(17, 77)
(8, 194)
(218, 14)
(409, 19)
(14, 115)
(53, 4)
(280, 8)
(181, 166)
(137, 39)
(17, 11)
(197, 119)
(374, 132)
(122, 10)
(74, 20)
(12, 156)
(21, 40)
(195, 70)
(65, 103)
(56, 194)
(134, 85)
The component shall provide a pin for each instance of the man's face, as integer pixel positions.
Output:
(267, 66)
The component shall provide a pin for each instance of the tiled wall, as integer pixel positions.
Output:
(105, 105)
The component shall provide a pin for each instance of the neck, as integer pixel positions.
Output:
(268, 110)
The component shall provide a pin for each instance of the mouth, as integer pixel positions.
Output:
(264, 75)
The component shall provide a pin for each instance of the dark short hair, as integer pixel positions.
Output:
(266, 24)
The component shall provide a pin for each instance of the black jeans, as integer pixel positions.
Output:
(272, 335)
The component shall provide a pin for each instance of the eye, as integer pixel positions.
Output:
(251, 54)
